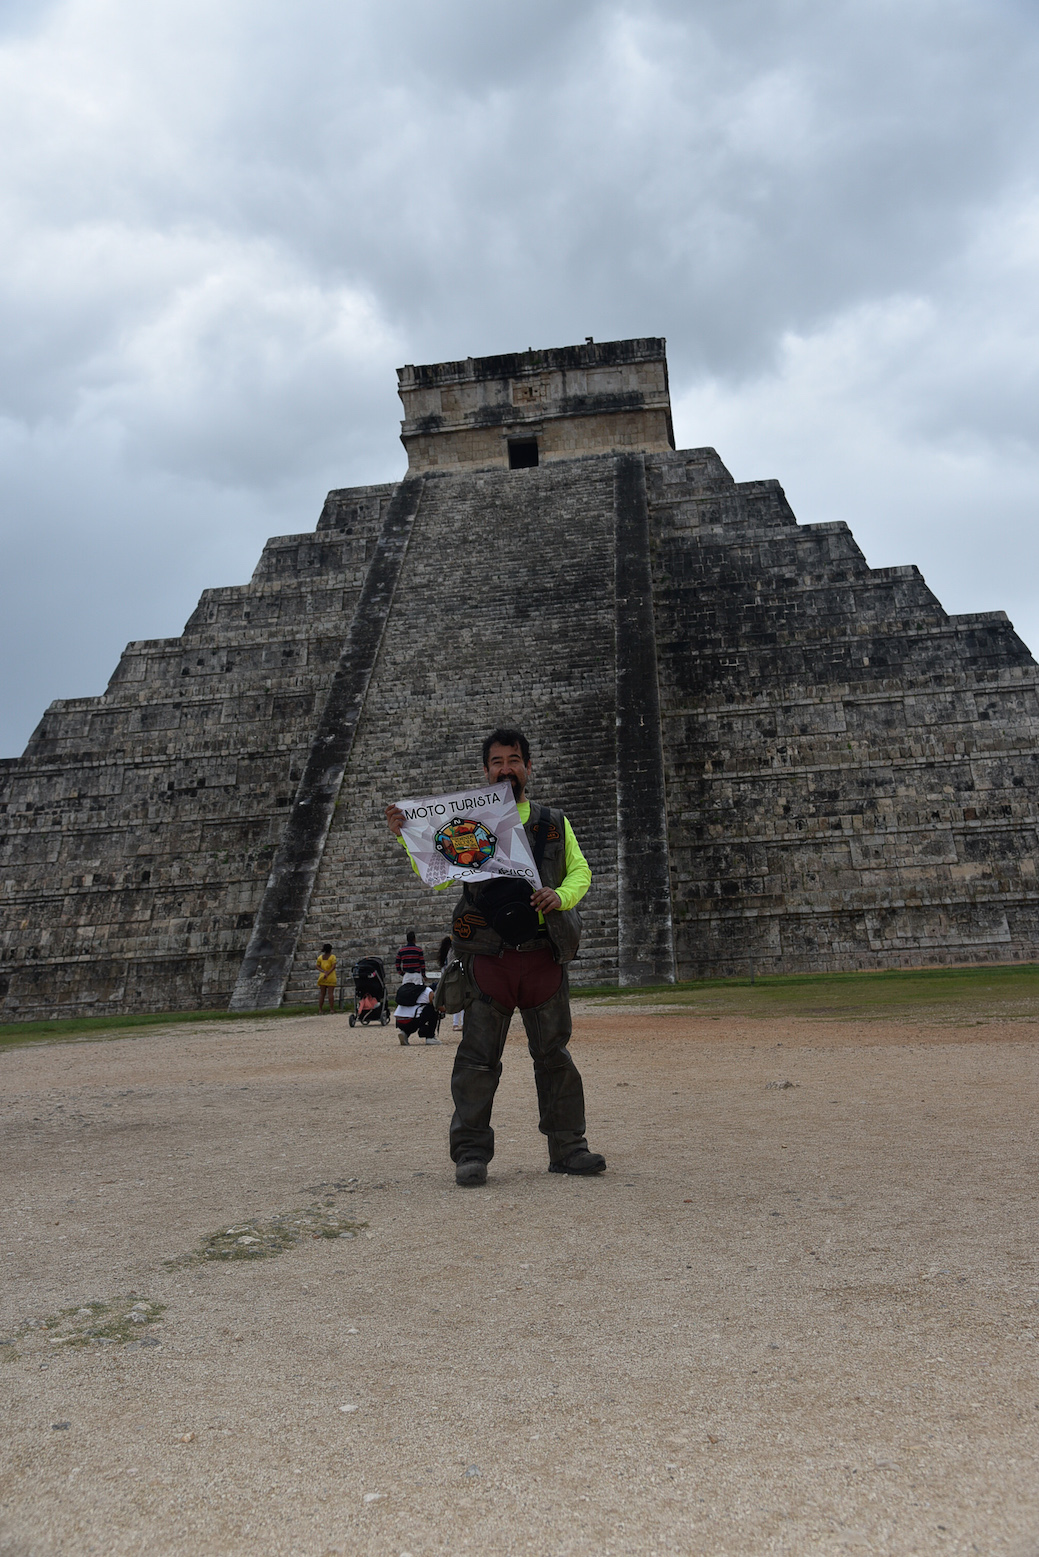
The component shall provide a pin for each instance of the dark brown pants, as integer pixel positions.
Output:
(537, 984)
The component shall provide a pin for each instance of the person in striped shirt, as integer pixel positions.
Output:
(411, 958)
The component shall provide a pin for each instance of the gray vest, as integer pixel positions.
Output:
(470, 932)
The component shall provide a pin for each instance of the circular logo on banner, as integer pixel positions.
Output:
(466, 843)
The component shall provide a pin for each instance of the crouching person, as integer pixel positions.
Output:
(416, 1013)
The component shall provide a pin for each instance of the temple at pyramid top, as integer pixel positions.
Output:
(532, 407)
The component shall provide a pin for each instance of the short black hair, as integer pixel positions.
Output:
(326, 948)
(503, 737)
(409, 936)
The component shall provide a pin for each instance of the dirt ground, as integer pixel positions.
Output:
(789, 1318)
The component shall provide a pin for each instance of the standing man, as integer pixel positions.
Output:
(515, 955)
(410, 958)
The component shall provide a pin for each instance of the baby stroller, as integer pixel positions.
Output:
(370, 1003)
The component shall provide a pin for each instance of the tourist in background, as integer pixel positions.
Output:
(416, 1013)
(326, 978)
(411, 958)
(443, 958)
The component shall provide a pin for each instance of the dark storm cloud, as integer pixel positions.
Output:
(225, 226)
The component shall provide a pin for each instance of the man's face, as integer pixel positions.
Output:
(506, 762)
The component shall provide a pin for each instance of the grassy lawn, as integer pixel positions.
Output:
(68, 1029)
(997, 992)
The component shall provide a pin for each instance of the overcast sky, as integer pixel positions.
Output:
(227, 222)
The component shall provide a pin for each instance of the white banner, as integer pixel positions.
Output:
(473, 835)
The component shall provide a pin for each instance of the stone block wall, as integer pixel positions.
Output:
(616, 428)
(575, 400)
(852, 773)
(137, 830)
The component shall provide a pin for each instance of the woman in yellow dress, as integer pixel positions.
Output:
(326, 979)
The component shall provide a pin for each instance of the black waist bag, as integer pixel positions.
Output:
(505, 904)
(500, 912)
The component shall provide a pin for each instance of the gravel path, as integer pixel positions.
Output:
(798, 1314)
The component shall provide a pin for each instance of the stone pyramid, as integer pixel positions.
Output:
(773, 755)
